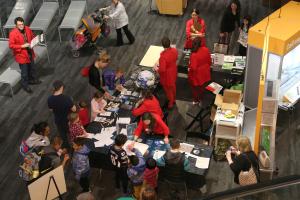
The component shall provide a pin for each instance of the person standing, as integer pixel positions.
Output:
(243, 37)
(96, 77)
(119, 17)
(167, 70)
(199, 69)
(230, 18)
(19, 41)
(61, 105)
(195, 27)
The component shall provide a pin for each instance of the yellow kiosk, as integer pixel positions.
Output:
(272, 78)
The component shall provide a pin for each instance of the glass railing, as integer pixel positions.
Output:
(284, 188)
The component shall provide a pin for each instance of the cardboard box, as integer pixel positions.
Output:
(270, 105)
(268, 119)
(230, 101)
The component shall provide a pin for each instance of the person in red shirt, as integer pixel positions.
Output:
(199, 69)
(195, 27)
(152, 124)
(83, 114)
(148, 103)
(19, 41)
(167, 70)
(151, 173)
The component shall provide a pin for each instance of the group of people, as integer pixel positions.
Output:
(72, 120)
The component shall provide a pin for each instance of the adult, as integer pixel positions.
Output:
(61, 105)
(148, 103)
(19, 41)
(199, 69)
(195, 27)
(96, 78)
(152, 124)
(230, 18)
(119, 17)
(167, 70)
(175, 163)
(244, 158)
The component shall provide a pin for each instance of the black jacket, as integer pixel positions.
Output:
(228, 21)
(241, 163)
(95, 79)
(174, 164)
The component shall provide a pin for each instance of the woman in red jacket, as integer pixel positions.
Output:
(199, 69)
(195, 27)
(148, 103)
(19, 41)
(168, 70)
(152, 124)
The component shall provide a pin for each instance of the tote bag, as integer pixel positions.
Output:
(248, 177)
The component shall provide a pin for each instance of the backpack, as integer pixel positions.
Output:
(24, 148)
(30, 166)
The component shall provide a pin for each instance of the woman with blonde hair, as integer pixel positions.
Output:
(244, 158)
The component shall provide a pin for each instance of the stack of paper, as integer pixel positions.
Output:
(202, 162)
(139, 146)
(123, 120)
(214, 87)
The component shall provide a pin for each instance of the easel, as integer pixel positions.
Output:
(59, 195)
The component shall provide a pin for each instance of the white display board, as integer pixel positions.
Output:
(38, 189)
(152, 55)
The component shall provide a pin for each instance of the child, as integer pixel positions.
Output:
(97, 105)
(75, 127)
(243, 38)
(151, 173)
(83, 114)
(135, 172)
(52, 154)
(119, 160)
(114, 80)
(81, 165)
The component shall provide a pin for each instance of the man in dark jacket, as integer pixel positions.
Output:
(19, 41)
(175, 163)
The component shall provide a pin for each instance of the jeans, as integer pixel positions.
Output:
(63, 129)
(28, 73)
(127, 33)
(84, 182)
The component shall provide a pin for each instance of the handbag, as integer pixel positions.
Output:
(220, 47)
(248, 177)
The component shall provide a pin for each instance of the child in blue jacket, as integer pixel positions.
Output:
(114, 80)
(135, 172)
(81, 165)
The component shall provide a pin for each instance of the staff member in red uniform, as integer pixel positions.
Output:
(148, 103)
(167, 70)
(195, 27)
(19, 41)
(152, 124)
(199, 69)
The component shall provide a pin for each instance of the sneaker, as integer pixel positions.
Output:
(28, 90)
(196, 102)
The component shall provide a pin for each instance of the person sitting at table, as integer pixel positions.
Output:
(97, 105)
(195, 27)
(114, 80)
(148, 103)
(175, 163)
(96, 79)
(83, 114)
(75, 127)
(199, 69)
(151, 124)
(119, 160)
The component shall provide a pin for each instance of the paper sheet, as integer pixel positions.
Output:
(123, 131)
(202, 162)
(123, 120)
(35, 40)
(187, 148)
(100, 119)
(103, 142)
(158, 154)
(106, 114)
(140, 146)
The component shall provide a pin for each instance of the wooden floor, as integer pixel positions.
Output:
(19, 114)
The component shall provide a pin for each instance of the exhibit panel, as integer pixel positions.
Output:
(272, 78)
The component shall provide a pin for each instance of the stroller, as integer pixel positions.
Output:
(92, 27)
